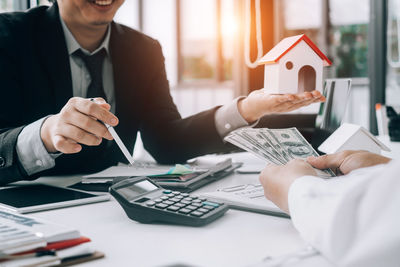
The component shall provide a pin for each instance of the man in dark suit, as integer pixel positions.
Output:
(53, 60)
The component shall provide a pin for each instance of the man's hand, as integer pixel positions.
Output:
(276, 180)
(346, 161)
(77, 123)
(259, 103)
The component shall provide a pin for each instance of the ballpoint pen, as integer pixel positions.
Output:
(118, 140)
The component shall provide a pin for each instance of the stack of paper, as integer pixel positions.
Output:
(27, 241)
(277, 146)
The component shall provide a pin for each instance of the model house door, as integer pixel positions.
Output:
(307, 79)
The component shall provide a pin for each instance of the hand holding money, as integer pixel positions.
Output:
(259, 103)
(277, 180)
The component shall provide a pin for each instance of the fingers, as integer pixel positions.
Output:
(78, 135)
(289, 102)
(65, 145)
(79, 122)
(333, 161)
(94, 110)
(89, 124)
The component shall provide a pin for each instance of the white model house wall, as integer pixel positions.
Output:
(280, 80)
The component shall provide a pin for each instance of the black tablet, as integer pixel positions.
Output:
(38, 197)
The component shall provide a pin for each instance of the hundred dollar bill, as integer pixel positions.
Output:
(280, 149)
(296, 146)
(239, 141)
(251, 135)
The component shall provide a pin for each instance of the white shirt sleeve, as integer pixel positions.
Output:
(353, 220)
(31, 151)
(228, 118)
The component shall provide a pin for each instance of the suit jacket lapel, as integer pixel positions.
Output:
(53, 51)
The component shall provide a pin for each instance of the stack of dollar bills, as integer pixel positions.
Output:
(277, 146)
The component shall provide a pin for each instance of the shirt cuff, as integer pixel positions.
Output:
(31, 151)
(228, 118)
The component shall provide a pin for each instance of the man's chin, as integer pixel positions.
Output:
(101, 23)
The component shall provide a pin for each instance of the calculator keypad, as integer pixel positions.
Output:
(182, 203)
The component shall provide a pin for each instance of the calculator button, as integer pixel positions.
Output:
(194, 197)
(176, 192)
(203, 210)
(158, 200)
(197, 204)
(185, 202)
(150, 203)
(174, 199)
(161, 206)
(197, 201)
(216, 205)
(167, 191)
(197, 213)
(167, 202)
(173, 208)
(202, 198)
(164, 197)
(191, 207)
(184, 211)
(180, 205)
(188, 199)
(179, 197)
(208, 207)
(185, 194)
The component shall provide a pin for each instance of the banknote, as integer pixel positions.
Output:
(277, 146)
(297, 146)
(261, 143)
(239, 141)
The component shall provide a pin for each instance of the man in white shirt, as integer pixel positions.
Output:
(353, 219)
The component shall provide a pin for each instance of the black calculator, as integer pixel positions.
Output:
(146, 202)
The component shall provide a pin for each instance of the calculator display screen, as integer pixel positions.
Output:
(132, 191)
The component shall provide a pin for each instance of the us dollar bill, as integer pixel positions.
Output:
(244, 144)
(253, 137)
(277, 146)
(297, 146)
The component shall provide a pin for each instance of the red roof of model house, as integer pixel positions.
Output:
(284, 46)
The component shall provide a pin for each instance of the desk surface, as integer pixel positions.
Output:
(237, 239)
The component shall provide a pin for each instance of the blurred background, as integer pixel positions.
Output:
(204, 45)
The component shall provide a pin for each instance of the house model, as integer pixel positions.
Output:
(294, 66)
(351, 137)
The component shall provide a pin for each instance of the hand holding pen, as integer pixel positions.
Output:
(78, 123)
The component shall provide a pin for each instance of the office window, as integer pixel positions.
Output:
(159, 22)
(6, 5)
(44, 2)
(229, 32)
(393, 54)
(349, 37)
(302, 16)
(198, 39)
(128, 14)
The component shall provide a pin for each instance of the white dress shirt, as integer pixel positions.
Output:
(353, 220)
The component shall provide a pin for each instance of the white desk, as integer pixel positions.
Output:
(237, 239)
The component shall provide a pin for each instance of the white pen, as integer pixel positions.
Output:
(118, 141)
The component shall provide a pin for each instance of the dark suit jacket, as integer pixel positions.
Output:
(35, 81)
